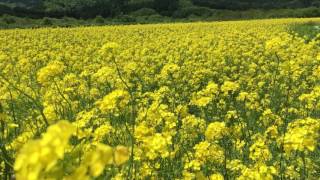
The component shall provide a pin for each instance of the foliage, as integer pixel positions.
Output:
(256, 4)
(88, 9)
(99, 20)
(139, 17)
(46, 22)
(308, 30)
(189, 11)
(144, 12)
(8, 19)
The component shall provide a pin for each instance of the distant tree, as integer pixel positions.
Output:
(46, 22)
(86, 8)
(8, 19)
(185, 3)
(114, 8)
(99, 19)
(166, 6)
(306, 3)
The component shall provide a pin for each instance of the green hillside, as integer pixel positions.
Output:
(33, 13)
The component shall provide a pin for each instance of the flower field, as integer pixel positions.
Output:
(223, 100)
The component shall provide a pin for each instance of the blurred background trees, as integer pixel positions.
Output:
(111, 8)
(153, 10)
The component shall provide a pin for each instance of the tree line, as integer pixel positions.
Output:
(256, 4)
(112, 8)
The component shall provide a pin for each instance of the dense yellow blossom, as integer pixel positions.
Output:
(115, 102)
(229, 86)
(216, 130)
(302, 135)
(42, 155)
(49, 72)
(217, 176)
(205, 96)
(206, 100)
(259, 151)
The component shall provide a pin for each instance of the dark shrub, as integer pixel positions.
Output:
(144, 12)
(99, 20)
(311, 12)
(196, 11)
(46, 22)
(8, 19)
(125, 19)
(155, 18)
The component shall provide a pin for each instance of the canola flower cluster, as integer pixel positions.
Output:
(223, 100)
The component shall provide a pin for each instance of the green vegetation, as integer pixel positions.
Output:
(307, 30)
(36, 13)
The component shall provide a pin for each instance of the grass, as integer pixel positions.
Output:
(307, 30)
